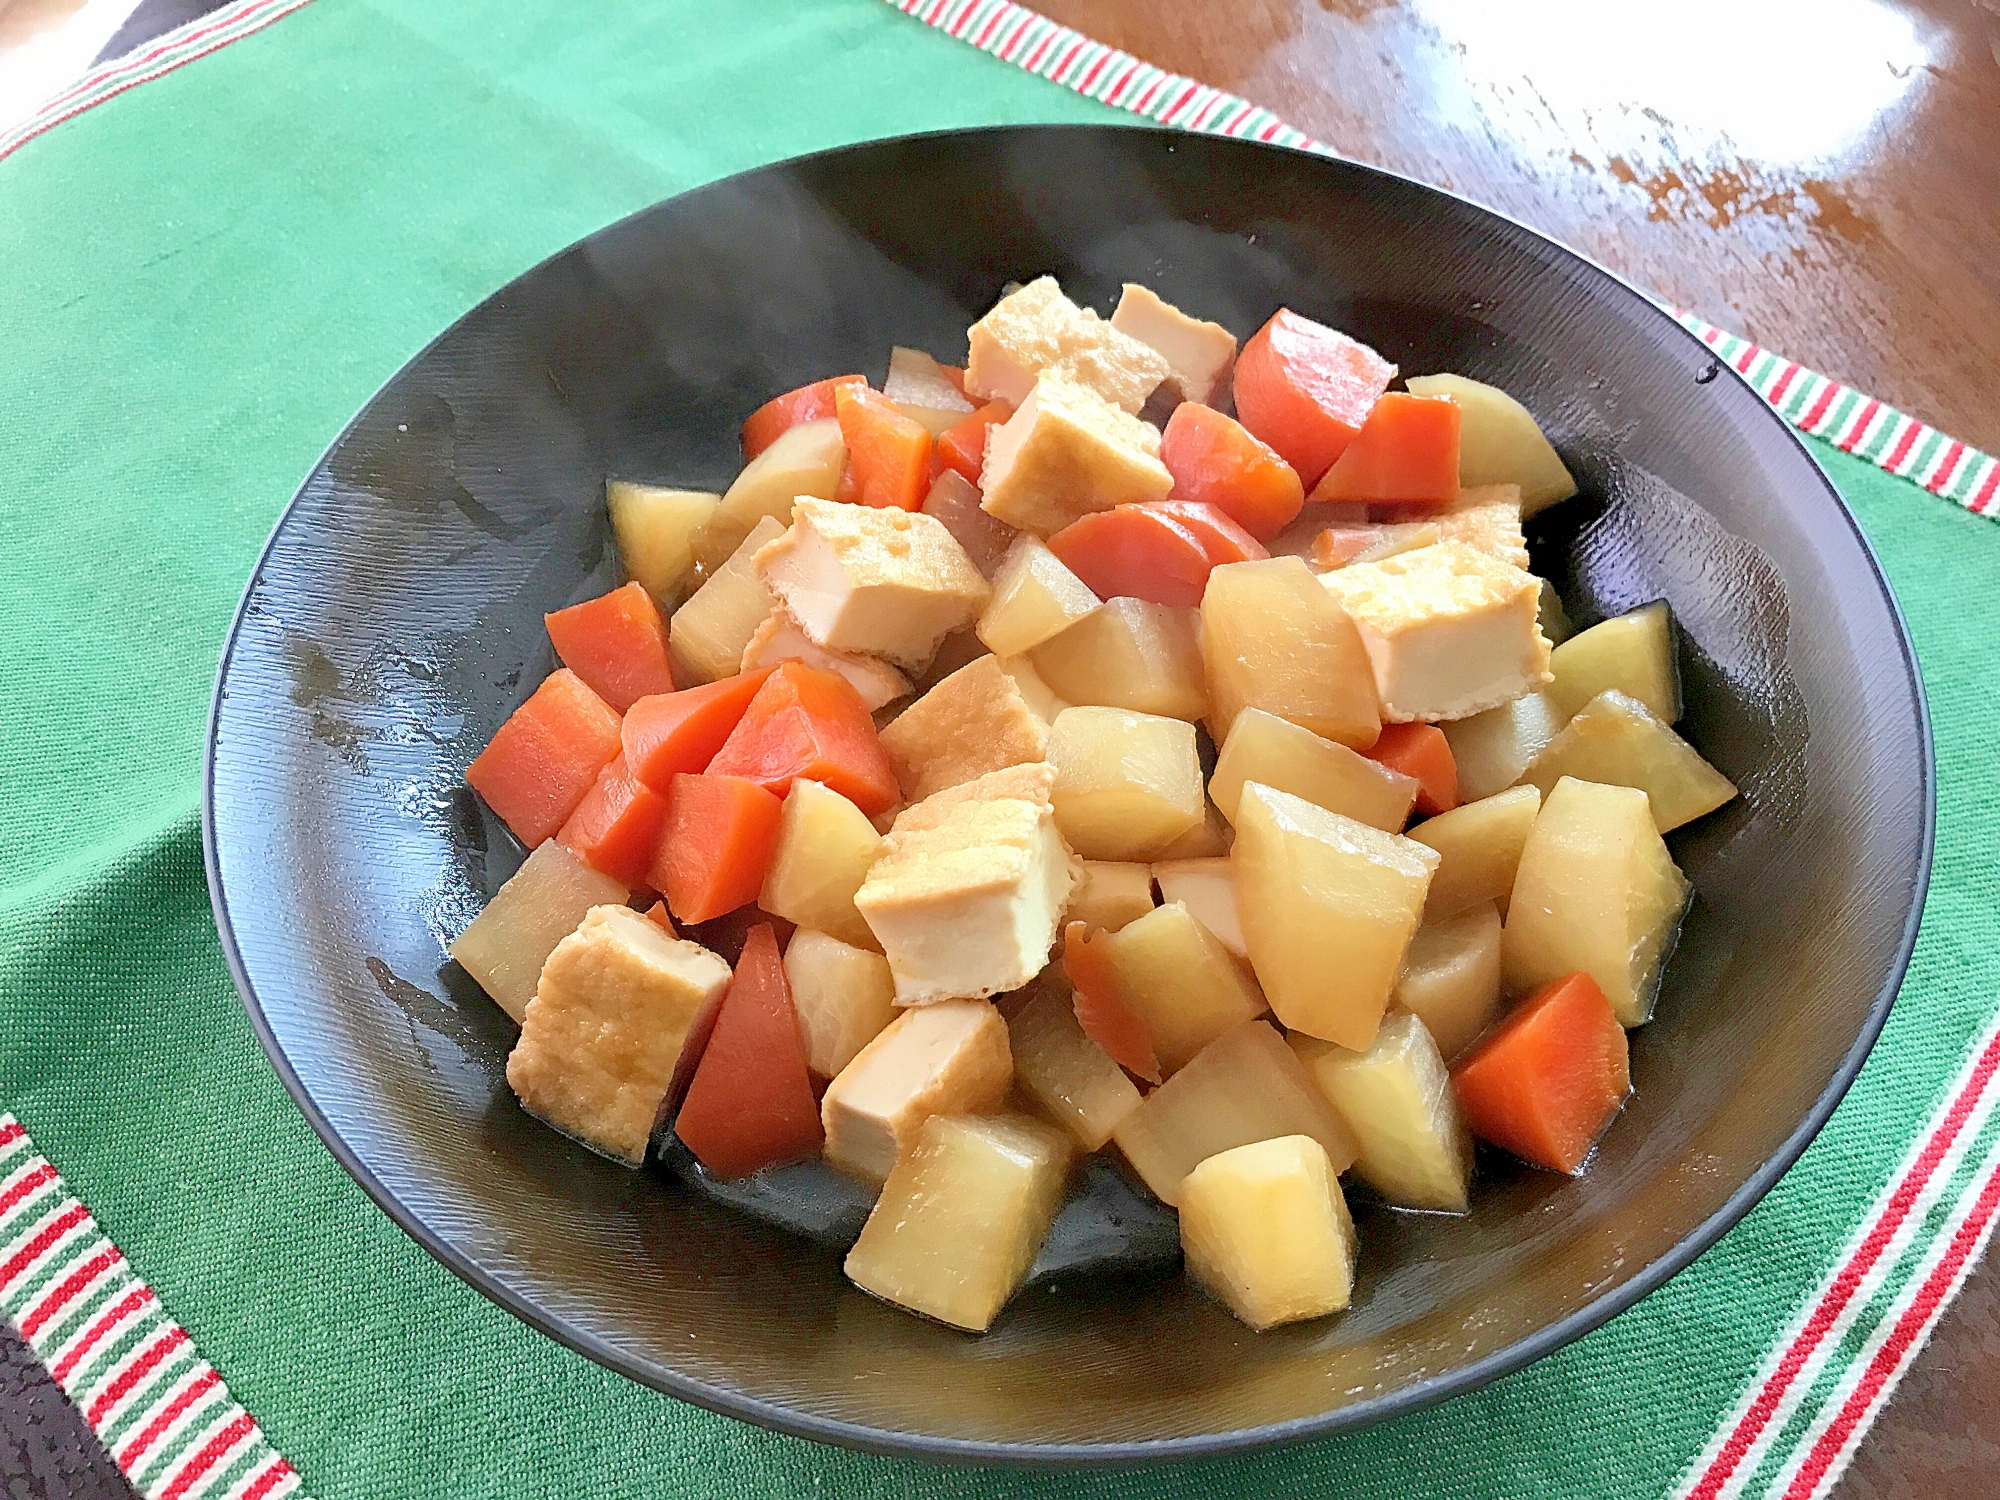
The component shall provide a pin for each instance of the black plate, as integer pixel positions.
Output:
(395, 620)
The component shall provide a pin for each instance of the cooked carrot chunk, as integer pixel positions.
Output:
(776, 417)
(616, 827)
(888, 454)
(1306, 389)
(963, 447)
(1135, 552)
(542, 761)
(668, 734)
(1546, 1081)
(720, 834)
(1221, 537)
(1421, 751)
(1407, 450)
(750, 1104)
(805, 722)
(617, 643)
(1100, 1010)
(1217, 461)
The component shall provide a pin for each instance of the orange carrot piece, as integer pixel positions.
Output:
(888, 454)
(1100, 1010)
(1217, 461)
(963, 447)
(1546, 1081)
(720, 834)
(750, 1104)
(1422, 751)
(668, 734)
(1135, 551)
(1306, 389)
(776, 417)
(1218, 532)
(616, 827)
(617, 643)
(661, 918)
(542, 761)
(1406, 451)
(805, 722)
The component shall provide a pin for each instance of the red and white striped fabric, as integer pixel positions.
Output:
(159, 1408)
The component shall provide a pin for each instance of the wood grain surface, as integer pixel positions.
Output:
(1823, 178)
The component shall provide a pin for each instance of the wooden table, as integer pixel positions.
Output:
(1830, 189)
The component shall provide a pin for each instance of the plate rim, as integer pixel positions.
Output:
(1071, 1455)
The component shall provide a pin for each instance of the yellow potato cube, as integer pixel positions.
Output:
(709, 634)
(843, 995)
(805, 460)
(1499, 442)
(1451, 977)
(972, 722)
(1596, 891)
(1493, 749)
(1274, 638)
(1035, 329)
(1263, 747)
(1396, 1097)
(948, 1058)
(1181, 981)
(1065, 1072)
(1109, 894)
(1449, 631)
(1209, 839)
(962, 1216)
(825, 848)
(1633, 653)
(1034, 597)
(656, 529)
(1479, 847)
(1207, 888)
(1066, 452)
(1266, 1230)
(505, 946)
(1328, 906)
(917, 379)
(1244, 1086)
(1126, 784)
(1128, 653)
(600, 1040)
(1615, 740)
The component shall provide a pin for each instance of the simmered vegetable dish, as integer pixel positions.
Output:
(1123, 742)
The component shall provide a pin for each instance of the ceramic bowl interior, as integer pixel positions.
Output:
(395, 621)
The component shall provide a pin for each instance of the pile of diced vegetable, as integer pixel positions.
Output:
(1033, 758)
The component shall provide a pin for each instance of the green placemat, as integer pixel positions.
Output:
(204, 279)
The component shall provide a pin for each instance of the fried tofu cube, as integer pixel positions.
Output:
(1200, 355)
(600, 1039)
(1266, 1230)
(966, 899)
(781, 638)
(962, 1217)
(1488, 519)
(942, 1059)
(1037, 329)
(888, 583)
(1109, 893)
(972, 722)
(1065, 453)
(1449, 631)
